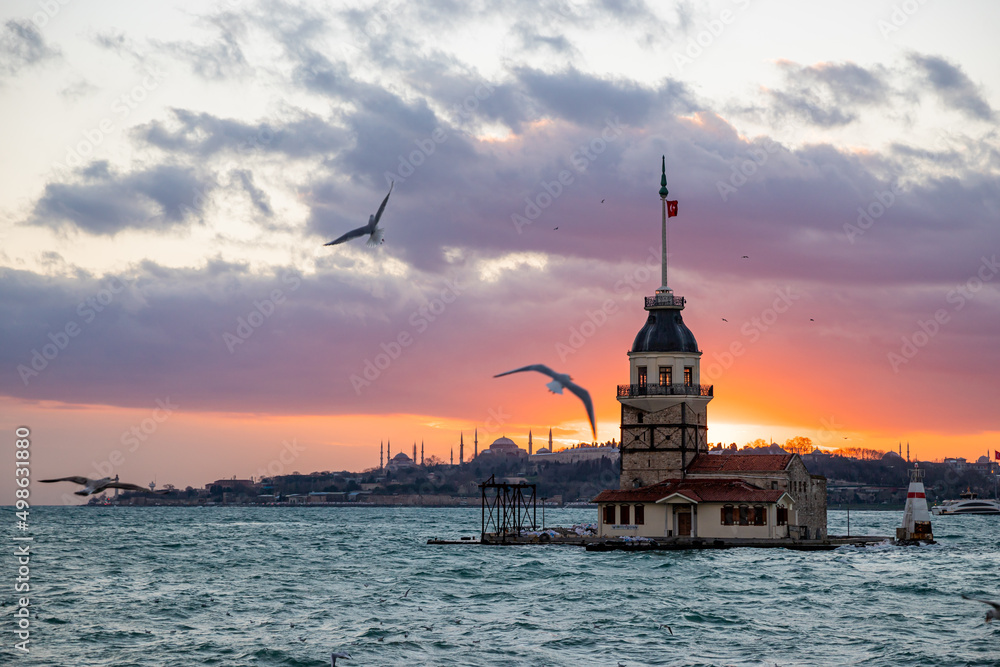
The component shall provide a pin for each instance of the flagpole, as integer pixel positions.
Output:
(663, 202)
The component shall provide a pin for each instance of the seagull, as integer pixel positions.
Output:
(334, 656)
(724, 319)
(375, 233)
(92, 486)
(407, 592)
(602, 201)
(559, 381)
(667, 627)
(990, 613)
(745, 257)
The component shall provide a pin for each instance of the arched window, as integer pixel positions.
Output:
(744, 515)
(759, 515)
(609, 514)
(782, 518)
(624, 514)
(727, 515)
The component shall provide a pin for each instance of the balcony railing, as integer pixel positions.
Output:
(635, 390)
(664, 300)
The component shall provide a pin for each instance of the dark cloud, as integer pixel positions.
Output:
(202, 134)
(22, 46)
(830, 94)
(952, 86)
(106, 202)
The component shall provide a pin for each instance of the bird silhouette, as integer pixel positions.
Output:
(375, 233)
(724, 319)
(92, 486)
(559, 381)
(990, 613)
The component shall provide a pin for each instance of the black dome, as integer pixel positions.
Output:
(665, 331)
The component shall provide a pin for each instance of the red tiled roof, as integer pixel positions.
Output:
(698, 490)
(740, 462)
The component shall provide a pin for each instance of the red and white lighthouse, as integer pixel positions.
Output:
(916, 519)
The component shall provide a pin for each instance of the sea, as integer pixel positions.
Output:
(286, 587)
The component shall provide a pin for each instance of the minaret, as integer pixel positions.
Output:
(381, 452)
(461, 448)
(414, 451)
(422, 452)
(907, 451)
(550, 440)
(388, 452)
(664, 405)
(529, 442)
(453, 456)
(475, 450)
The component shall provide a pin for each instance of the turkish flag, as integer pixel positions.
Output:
(996, 454)
(671, 208)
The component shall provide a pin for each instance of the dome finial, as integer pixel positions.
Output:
(663, 179)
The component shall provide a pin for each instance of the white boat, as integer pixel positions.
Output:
(969, 503)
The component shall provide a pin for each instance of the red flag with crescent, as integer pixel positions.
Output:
(996, 454)
(672, 208)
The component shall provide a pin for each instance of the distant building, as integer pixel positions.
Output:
(400, 462)
(575, 454)
(504, 446)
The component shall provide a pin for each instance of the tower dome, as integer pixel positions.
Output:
(665, 331)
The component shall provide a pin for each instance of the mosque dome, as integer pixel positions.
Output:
(505, 446)
(665, 331)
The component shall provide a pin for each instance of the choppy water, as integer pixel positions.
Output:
(224, 586)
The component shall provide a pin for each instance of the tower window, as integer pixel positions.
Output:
(688, 376)
(665, 373)
(642, 376)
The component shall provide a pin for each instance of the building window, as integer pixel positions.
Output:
(774, 485)
(642, 376)
(640, 515)
(638, 418)
(782, 518)
(665, 373)
(727, 515)
(624, 512)
(609, 514)
(688, 376)
(744, 515)
(759, 515)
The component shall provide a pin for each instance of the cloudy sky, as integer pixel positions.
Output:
(171, 171)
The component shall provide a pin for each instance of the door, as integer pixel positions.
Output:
(684, 523)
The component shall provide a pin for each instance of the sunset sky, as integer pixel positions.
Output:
(171, 171)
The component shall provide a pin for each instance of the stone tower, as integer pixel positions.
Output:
(664, 405)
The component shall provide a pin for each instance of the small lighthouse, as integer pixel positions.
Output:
(916, 519)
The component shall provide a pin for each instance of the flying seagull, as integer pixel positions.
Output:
(92, 486)
(724, 319)
(334, 656)
(375, 233)
(990, 613)
(560, 380)
(745, 257)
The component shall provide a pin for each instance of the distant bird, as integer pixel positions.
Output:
(724, 319)
(602, 201)
(334, 656)
(668, 628)
(990, 613)
(811, 319)
(407, 592)
(375, 233)
(560, 380)
(92, 486)
(554, 228)
(745, 257)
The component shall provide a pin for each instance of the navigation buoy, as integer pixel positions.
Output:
(916, 528)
